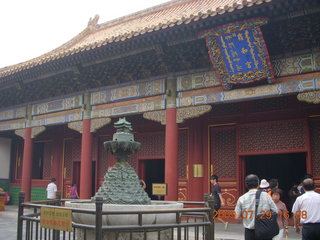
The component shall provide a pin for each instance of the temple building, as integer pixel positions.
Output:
(226, 87)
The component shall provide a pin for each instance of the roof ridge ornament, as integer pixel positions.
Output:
(93, 22)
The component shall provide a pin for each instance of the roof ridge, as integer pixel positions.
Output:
(147, 11)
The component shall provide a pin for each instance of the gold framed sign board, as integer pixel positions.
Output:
(160, 189)
(56, 218)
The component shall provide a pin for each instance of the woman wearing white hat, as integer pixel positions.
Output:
(264, 186)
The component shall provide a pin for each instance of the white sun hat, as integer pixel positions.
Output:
(264, 183)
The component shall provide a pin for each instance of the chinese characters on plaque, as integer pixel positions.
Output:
(238, 53)
(56, 218)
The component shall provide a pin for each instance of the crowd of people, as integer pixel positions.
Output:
(304, 206)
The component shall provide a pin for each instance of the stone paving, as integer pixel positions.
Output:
(8, 227)
(8, 223)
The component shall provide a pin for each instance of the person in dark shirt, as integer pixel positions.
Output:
(293, 194)
(300, 188)
(274, 183)
(218, 199)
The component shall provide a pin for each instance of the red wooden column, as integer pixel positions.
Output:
(171, 154)
(86, 160)
(171, 145)
(27, 164)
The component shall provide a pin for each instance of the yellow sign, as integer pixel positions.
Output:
(159, 189)
(197, 170)
(56, 218)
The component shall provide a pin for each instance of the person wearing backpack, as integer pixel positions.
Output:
(246, 205)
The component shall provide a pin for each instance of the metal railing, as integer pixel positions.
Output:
(192, 222)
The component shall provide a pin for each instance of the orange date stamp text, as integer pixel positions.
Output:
(248, 214)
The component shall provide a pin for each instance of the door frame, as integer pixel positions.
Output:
(141, 168)
(242, 166)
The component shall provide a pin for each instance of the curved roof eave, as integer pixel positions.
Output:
(153, 19)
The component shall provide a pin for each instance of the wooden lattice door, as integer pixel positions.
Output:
(72, 154)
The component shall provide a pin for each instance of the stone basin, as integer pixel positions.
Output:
(125, 219)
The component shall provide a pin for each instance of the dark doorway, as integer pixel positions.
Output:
(287, 168)
(93, 181)
(37, 160)
(154, 173)
(76, 175)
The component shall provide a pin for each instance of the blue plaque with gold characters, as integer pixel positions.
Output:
(238, 53)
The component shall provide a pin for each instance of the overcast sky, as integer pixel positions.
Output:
(30, 28)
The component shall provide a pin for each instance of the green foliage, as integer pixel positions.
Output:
(14, 193)
(37, 193)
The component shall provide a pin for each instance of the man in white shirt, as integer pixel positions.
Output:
(52, 190)
(246, 205)
(307, 209)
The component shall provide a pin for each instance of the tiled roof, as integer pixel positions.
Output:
(165, 15)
